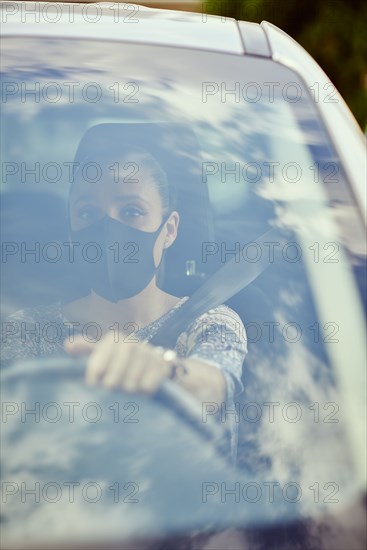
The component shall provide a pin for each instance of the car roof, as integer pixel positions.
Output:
(134, 23)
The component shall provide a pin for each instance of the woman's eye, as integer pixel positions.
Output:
(131, 212)
(87, 214)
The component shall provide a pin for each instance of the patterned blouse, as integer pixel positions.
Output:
(217, 337)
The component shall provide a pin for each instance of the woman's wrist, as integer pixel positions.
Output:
(205, 381)
(176, 368)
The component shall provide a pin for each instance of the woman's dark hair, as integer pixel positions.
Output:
(165, 188)
(147, 161)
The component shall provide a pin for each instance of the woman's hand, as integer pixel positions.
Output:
(139, 367)
(133, 367)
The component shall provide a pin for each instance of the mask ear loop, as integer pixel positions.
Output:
(165, 219)
(159, 270)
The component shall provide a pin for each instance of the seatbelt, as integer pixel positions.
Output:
(226, 282)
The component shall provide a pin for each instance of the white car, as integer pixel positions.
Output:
(269, 167)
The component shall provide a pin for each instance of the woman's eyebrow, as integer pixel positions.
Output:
(117, 198)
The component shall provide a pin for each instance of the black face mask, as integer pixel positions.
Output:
(114, 259)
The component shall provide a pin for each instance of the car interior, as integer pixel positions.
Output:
(290, 361)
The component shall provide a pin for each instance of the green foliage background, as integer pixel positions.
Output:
(334, 32)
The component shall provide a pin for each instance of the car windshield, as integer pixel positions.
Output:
(243, 144)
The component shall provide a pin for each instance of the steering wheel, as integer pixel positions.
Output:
(99, 463)
(170, 395)
(147, 457)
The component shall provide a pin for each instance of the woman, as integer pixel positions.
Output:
(128, 223)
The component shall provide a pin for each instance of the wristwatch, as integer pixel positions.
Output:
(170, 357)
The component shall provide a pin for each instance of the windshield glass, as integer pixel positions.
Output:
(234, 146)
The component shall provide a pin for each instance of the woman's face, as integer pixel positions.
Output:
(125, 193)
